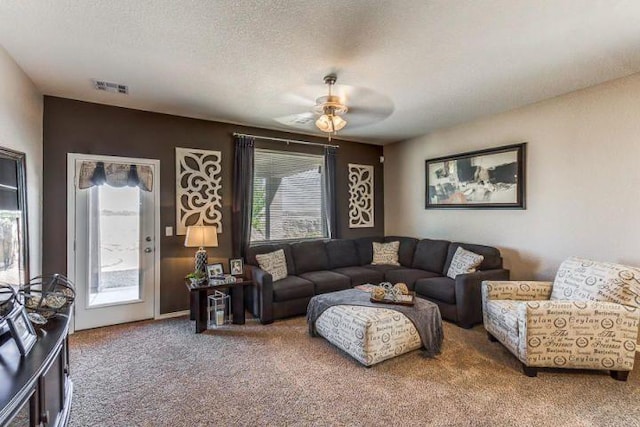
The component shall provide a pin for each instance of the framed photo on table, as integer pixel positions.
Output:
(236, 266)
(22, 330)
(214, 270)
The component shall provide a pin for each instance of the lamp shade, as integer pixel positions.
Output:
(200, 236)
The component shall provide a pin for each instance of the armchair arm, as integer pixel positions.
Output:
(469, 296)
(518, 290)
(263, 282)
(578, 334)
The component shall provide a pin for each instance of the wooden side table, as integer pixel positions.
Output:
(198, 303)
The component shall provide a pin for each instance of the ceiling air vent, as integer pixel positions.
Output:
(110, 87)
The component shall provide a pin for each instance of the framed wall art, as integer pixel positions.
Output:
(198, 188)
(361, 207)
(485, 179)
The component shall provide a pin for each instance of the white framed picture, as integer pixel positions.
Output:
(236, 266)
(22, 330)
(215, 270)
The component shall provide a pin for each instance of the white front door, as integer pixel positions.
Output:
(115, 250)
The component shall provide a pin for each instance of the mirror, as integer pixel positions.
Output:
(14, 253)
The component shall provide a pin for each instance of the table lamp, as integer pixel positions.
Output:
(201, 236)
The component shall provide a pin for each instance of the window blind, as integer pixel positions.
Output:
(287, 196)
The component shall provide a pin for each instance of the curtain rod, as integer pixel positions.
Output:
(288, 141)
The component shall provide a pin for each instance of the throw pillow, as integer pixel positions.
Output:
(385, 253)
(274, 263)
(463, 262)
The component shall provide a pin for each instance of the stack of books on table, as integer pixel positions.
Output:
(224, 279)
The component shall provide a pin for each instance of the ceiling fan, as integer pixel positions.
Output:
(343, 107)
(330, 109)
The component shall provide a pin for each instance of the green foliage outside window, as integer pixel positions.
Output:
(8, 238)
(259, 204)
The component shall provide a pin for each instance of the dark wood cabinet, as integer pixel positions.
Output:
(36, 390)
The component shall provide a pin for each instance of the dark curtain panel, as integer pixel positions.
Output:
(242, 207)
(330, 191)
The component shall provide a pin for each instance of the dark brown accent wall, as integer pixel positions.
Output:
(81, 127)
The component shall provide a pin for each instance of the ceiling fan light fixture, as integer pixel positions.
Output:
(329, 115)
(330, 123)
(330, 108)
(331, 101)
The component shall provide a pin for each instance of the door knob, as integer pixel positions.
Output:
(148, 238)
(147, 250)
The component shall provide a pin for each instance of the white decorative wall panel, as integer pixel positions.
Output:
(360, 196)
(198, 188)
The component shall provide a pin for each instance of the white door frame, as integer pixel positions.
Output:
(71, 216)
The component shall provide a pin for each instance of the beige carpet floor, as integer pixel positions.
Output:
(162, 374)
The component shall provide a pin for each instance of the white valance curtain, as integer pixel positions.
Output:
(115, 175)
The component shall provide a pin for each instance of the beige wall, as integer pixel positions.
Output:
(21, 130)
(583, 181)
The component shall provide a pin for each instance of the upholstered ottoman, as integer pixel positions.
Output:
(369, 334)
(372, 332)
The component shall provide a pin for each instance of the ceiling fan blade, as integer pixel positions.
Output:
(374, 111)
(355, 96)
(305, 121)
(365, 106)
(363, 116)
(298, 100)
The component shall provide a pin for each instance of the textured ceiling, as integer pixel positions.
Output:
(434, 63)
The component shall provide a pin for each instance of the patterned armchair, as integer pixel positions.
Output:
(587, 318)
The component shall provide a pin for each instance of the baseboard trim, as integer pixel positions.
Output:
(172, 314)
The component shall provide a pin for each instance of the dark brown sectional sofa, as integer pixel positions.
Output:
(317, 267)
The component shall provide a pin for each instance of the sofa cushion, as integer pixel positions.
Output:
(438, 288)
(310, 256)
(291, 288)
(430, 255)
(360, 275)
(463, 262)
(408, 276)
(365, 248)
(385, 253)
(273, 263)
(327, 281)
(342, 253)
(492, 259)
(265, 249)
(407, 249)
(582, 279)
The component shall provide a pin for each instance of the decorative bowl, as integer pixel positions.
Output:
(8, 300)
(47, 296)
